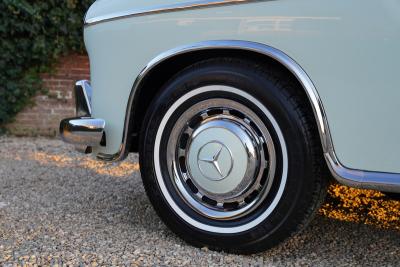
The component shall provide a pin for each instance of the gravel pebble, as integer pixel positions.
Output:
(60, 208)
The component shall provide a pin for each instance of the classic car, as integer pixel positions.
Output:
(242, 111)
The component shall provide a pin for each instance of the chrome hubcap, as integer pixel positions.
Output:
(222, 159)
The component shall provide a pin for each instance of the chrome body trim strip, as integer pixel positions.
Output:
(356, 178)
(165, 8)
(381, 181)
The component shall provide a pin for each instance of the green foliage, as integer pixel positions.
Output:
(33, 35)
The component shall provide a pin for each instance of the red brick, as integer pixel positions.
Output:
(43, 118)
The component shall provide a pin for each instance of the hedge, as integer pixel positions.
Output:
(34, 34)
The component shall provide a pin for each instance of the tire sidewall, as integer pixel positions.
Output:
(292, 202)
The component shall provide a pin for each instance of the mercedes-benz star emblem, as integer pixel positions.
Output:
(215, 161)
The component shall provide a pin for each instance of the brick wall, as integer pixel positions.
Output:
(44, 117)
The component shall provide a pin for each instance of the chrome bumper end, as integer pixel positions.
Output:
(83, 131)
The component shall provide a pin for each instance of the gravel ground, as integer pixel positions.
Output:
(61, 208)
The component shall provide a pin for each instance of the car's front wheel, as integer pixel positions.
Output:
(229, 156)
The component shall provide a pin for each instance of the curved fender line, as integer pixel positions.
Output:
(388, 182)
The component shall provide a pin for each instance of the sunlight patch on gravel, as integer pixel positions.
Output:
(120, 169)
(361, 206)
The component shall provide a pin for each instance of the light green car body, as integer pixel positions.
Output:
(349, 49)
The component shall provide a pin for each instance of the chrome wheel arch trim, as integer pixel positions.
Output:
(187, 5)
(382, 181)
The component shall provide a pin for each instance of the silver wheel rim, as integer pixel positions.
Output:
(162, 183)
(221, 159)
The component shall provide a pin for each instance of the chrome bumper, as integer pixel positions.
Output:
(83, 131)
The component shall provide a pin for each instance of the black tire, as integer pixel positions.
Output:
(305, 186)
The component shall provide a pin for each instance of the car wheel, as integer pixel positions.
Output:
(230, 156)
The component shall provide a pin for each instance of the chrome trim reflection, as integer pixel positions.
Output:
(82, 131)
(165, 8)
(381, 181)
(83, 98)
(356, 178)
